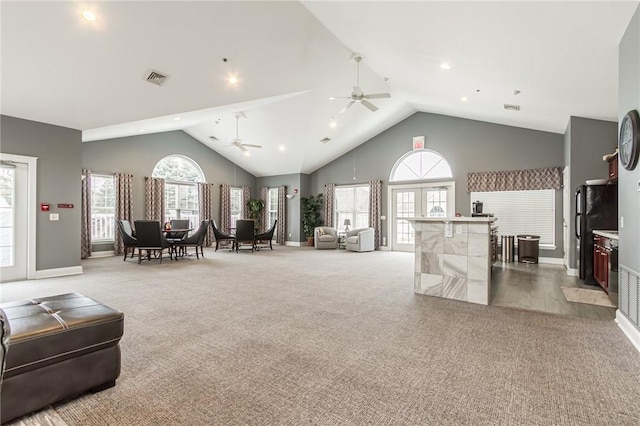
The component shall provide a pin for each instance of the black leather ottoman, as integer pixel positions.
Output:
(59, 347)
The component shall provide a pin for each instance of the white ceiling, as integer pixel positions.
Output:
(290, 57)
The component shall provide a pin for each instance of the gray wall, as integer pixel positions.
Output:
(138, 155)
(58, 181)
(586, 141)
(468, 146)
(291, 181)
(628, 99)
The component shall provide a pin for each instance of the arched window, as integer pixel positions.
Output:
(181, 175)
(422, 164)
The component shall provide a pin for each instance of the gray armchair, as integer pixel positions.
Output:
(361, 239)
(325, 237)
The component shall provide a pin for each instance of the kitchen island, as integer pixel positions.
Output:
(453, 258)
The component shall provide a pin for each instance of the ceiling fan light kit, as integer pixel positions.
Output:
(358, 95)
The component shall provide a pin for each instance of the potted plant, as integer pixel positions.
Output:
(311, 207)
(255, 207)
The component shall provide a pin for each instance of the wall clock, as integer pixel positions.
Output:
(629, 142)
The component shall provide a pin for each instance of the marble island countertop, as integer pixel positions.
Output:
(613, 234)
(452, 219)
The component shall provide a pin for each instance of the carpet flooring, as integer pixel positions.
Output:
(302, 336)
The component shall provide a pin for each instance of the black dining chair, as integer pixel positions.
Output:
(172, 236)
(245, 234)
(151, 239)
(266, 236)
(126, 233)
(221, 236)
(195, 240)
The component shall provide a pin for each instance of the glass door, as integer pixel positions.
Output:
(13, 221)
(418, 201)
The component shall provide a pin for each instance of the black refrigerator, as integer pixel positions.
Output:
(596, 208)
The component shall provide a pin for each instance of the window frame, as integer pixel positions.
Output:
(272, 214)
(353, 213)
(234, 217)
(109, 224)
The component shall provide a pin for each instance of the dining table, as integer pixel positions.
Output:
(173, 233)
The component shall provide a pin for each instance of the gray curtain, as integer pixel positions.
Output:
(281, 229)
(246, 195)
(124, 204)
(329, 202)
(154, 199)
(375, 209)
(85, 225)
(225, 207)
(264, 196)
(205, 205)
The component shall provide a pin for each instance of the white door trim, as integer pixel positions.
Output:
(32, 166)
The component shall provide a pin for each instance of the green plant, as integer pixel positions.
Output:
(255, 207)
(311, 207)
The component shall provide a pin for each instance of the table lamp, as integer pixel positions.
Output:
(347, 223)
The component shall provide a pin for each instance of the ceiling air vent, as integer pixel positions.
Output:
(325, 140)
(510, 107)
(157, 78)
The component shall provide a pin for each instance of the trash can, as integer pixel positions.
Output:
(508, 248)
(528, 248)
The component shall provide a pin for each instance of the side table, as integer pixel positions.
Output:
(342, 239)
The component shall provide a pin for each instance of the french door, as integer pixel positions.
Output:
(17, 225)
(426, 200)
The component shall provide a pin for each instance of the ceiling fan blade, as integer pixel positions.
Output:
(377, 96)
(369, 105)
(252, 146)
(347, 106)
(242, 148)
(357, 90)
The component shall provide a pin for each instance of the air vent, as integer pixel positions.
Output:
(325, 140)
(510, 107)
(157, 78)
(213, 138)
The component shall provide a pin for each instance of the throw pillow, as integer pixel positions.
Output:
(321, 232)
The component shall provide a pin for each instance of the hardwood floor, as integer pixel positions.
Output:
(538, 288)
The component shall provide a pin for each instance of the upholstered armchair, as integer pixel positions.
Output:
(361, 239)
(325, 237)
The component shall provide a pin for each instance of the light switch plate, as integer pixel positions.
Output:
(54, 216)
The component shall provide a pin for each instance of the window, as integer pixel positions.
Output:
(7, 216)
(405, 207)
(420, 165)
(352, 202)
(272, 206)
(181, 175)
(236, 206)
(103, 208)
(522, 212)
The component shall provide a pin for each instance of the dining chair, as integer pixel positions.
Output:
(245, 234)
(221, 236)
(151, 239)
(126, 233)
(195, 240)
(174, 237)
(266, 236)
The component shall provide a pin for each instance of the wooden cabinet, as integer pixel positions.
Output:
(613, 168)
(601, 261)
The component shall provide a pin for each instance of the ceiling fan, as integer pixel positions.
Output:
(358, 95)
(237, 142)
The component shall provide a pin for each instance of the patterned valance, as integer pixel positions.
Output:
(515, 180)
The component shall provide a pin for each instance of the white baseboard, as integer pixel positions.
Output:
(384, 248)
(551, 260)
(629, 330)
(104, 253)
(58, 272)
(295, 243)
(572, 272)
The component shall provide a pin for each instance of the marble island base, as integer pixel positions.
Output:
(453, 258)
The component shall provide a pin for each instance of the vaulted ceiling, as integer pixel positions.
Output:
(289, 58)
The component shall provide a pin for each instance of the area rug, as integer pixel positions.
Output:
(590, 297)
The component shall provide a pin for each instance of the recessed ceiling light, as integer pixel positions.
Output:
(464, 99)
(89, 15)
(281, 147)
(232, 80)
(445, 66)
(332, 98)
(246, 153)
(333, 122)
(178, 118)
